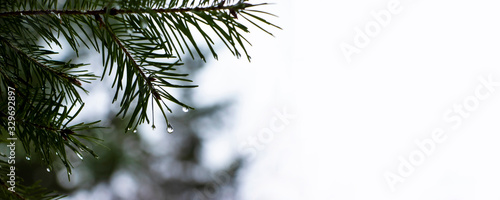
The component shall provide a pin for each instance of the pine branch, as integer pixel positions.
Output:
(129, 56)
(34, 191)
(6, 188)
(142, 75)
(113, 11)
(61, 75)
(144, 40)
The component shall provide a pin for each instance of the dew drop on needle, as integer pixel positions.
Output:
(170, 129)
(79, 155)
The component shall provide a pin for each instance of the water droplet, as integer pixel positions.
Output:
(84, 11)
(48, 169)
(128, 129)
(28, 158)
(57, 153)
(170, 129)
(22, 14)
(135, 131)
(69, 173)
(153, 127)
(185, 109)
(79, 155)
(57, 15)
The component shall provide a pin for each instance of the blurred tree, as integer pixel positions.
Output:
(141, 43)
(173, 171)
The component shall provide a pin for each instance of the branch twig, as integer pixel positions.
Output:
(114, 11)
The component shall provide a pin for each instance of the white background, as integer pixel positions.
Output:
(355, 120)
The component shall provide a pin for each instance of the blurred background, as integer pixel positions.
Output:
(326, 109)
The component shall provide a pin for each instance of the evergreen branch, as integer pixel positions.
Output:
(135, 65)
(6, 187)
(124, 49)
(113, 11)
(34, 191)
(138, 37)
(41, 65)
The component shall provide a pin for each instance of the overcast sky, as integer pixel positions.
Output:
(391, 100)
